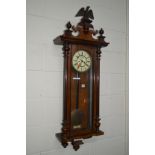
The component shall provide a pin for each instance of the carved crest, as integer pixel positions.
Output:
(85, 31)
(87, 15)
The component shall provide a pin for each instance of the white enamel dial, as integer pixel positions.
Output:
(81, 61)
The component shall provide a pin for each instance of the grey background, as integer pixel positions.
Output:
(46, 20)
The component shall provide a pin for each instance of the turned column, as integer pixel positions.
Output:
(65, 123)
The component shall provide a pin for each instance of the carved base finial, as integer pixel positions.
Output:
(64, 144)
(76, 144)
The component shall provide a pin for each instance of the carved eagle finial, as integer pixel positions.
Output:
(85, 13)
(87, 17)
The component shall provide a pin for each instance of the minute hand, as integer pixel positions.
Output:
(84, 62)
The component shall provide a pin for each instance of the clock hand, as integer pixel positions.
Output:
(79, 65)
(84, 63)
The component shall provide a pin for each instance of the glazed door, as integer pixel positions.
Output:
(81, 96)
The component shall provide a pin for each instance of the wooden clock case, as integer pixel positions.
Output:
(88, 40)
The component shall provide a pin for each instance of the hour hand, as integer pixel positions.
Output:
(85, 63)
(79, 64)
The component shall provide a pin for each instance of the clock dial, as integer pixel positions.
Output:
(81, 61)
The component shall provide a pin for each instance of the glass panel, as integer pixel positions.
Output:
(90, 90)
(81, 99)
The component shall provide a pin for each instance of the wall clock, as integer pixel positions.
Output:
(81, 80)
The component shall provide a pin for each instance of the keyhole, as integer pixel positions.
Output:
(84, 101)
(83, 85)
